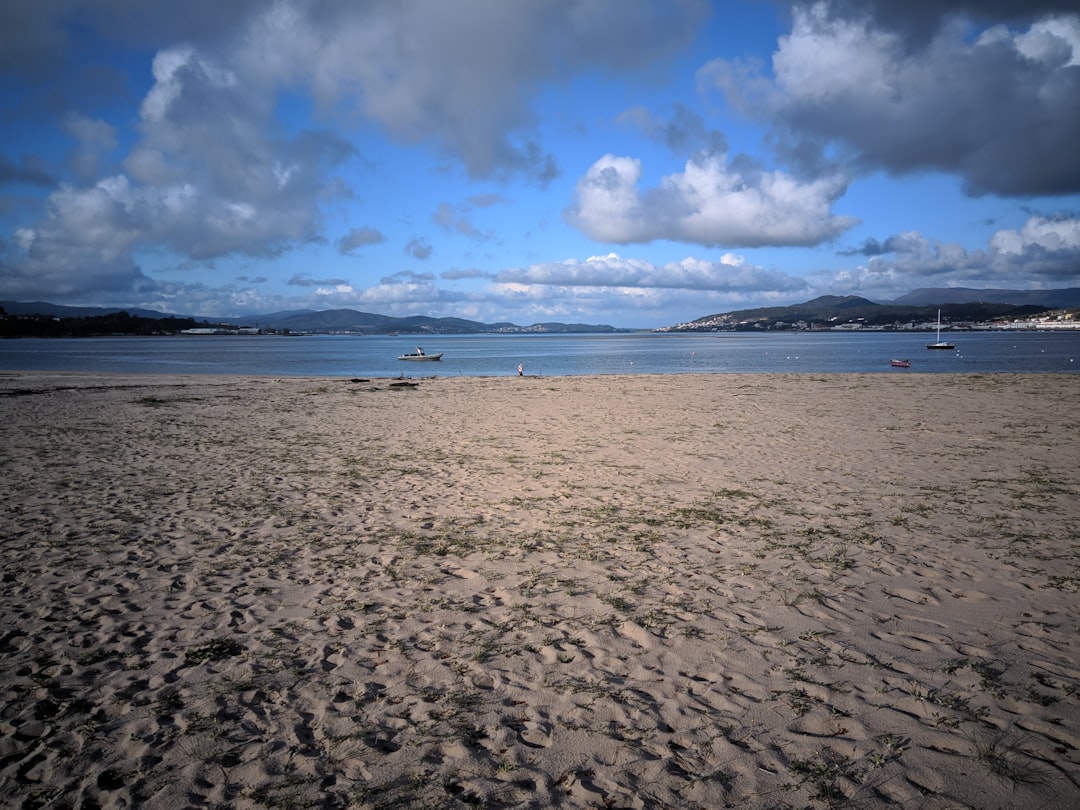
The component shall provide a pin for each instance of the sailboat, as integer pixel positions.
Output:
(939, 344)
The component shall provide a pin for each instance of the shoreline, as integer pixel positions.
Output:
(167, 378)
(693, 590)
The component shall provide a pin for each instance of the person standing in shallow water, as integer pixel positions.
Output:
(521, 369)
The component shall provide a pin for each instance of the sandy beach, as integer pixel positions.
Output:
(701, 591)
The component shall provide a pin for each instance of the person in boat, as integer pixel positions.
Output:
(419, 351)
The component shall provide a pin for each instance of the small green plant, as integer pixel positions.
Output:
(1040, 698)
(1006, 757)
(213, 650)
(826, 774)
(989, 678)
(798, 700)
(619, 603)
(892, 746)
(951, 665)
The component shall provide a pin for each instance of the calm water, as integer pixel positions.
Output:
(548, 355)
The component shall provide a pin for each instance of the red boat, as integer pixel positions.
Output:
(900, 363)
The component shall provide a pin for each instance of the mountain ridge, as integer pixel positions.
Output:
(310, 320)
(834, 310)
(957, 303)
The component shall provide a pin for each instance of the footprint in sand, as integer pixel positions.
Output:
(974, 596)
(382, 741)
(485, 600)
(373, 691)
(911, 641)
(535, 733)
(331, 659)
(304, 730)
(636, 633)
(924, 620)
(913, 596)
(483, 681)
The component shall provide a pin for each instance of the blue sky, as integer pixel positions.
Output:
(625, 162)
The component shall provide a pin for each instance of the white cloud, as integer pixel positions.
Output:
(1043, 253)
(167, 85)
(1050, 40)
(83, 246)
(211, 175)
(730, 273)
(826, 57)
(708, 203)
(1039, 233)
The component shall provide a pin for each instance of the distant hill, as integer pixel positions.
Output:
(349, 320)
(832, 310)
(1068, 298)
(329, 320)
(60, 311)
(324, 321)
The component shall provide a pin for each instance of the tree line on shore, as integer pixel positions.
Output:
(113, 323)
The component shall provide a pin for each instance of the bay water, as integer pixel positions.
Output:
(548, 354)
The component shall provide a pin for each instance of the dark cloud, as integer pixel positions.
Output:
(95, 142)
(419, 249)
(407, 277)
(457, 219)
(358, 238)
(29, 170)
(74, 274)
(455, 274)
(487, 200)
(683, 133)
(36, 38)
(918, 21)
(447, 73)
(872, 247)
(1001, 110)
(527, 158)
(459, 75)
(303, 280)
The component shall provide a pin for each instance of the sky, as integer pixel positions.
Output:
(638, 163)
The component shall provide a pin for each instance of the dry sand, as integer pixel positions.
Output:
(632, 591)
